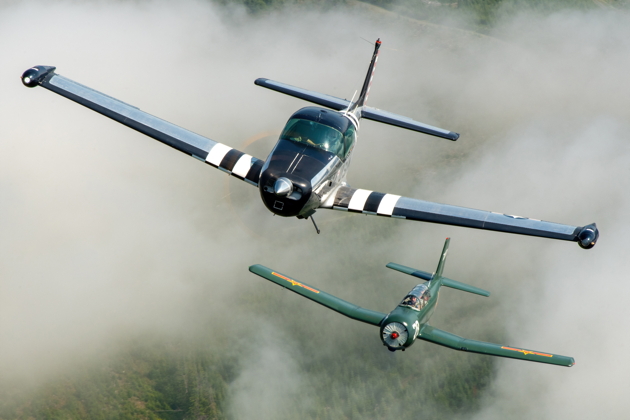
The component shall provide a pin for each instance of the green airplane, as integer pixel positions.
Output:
(409, 320)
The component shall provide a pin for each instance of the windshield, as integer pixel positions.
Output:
(314, 134)
(417, 298)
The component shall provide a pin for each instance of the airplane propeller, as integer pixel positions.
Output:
(395, 334)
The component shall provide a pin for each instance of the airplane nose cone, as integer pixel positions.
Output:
(283, 187)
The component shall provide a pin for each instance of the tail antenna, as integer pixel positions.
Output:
(345, 111)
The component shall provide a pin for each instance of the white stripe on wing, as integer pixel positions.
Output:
(242, 166)
(386, 207)
(357, 202)
(217, 153)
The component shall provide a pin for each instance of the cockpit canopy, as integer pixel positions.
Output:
(418, 298)
(313, 134)
(323, 129)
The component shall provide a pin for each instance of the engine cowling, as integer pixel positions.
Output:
(286, 194)
(395, 336)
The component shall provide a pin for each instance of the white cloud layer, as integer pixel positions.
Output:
(106, 233)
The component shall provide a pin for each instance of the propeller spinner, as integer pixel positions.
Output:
(395, 335)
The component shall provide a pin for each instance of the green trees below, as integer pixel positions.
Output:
(174, 381)
(474, 14)
(144, 381)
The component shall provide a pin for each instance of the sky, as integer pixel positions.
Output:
(107, 234)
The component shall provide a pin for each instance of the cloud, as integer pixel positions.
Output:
(107, 234)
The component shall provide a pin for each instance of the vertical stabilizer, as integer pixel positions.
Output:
(365, 90)
(437, 276)
(440, 267)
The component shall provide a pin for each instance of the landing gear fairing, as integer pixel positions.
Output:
(409, 321)
(307, 168)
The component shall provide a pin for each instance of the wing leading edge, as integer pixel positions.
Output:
(332, 302)
(390, 205)
(446, 339)
(218, 155)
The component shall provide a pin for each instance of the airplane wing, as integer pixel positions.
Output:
(443, 338)
(332, 302)
(367, 112)
(390, 205)
(225, 158)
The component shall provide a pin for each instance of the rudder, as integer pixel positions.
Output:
(440, 267)
(367, 83)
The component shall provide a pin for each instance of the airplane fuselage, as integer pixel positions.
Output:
(401, 327)
(309, 161)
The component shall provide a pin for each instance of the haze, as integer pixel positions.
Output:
(107, 234)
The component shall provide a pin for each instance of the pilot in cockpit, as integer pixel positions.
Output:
(300, 130)
(328, 140)
(411, 301)
(314, 134)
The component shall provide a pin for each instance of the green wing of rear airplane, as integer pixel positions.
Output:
(332, 302)
(400, 328)
(307, 168)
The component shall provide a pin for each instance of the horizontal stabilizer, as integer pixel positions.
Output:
(385, 117)
(411, 271)
(332, 302)
(369, 113)
(308, 95)
(456, 342)
(462, 286)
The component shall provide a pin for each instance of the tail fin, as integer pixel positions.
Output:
(440, 267)
(367, 83)
(358, 109)
(452, 283)
(423, 274)
(437, 276)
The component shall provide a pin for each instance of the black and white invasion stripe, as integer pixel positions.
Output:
(371, 202)
(220, 156)
(235, 163)
(366, 202)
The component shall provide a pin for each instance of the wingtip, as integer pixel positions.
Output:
(254, 267)
(587, 236)
(35, 75)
